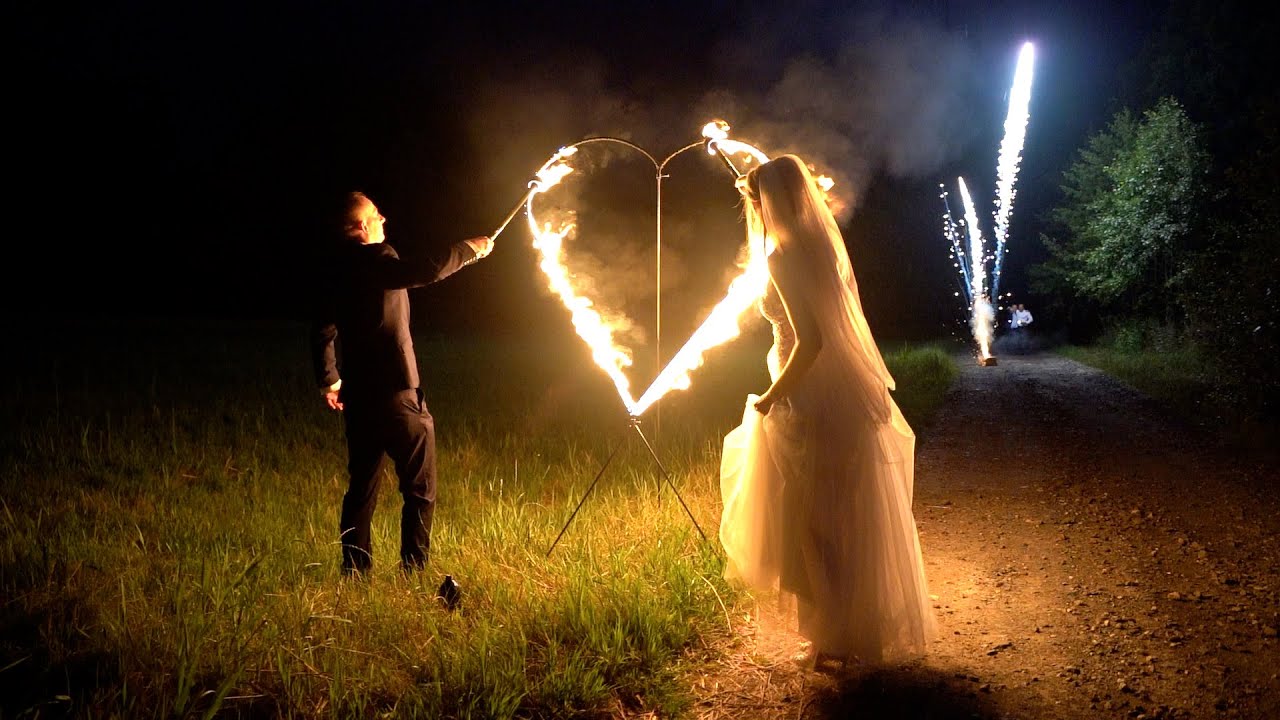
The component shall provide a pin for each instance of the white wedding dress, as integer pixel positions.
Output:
(817, 494)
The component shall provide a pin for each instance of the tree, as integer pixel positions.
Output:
(1130, 215)
(1084, 188)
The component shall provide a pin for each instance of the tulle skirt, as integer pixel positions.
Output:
(819, 508)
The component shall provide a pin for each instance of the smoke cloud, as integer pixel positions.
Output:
(878, 93)
(865, 94)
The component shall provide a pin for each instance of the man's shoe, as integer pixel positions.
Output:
(450, 594)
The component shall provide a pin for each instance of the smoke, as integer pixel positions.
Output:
(880, 93)
(893, 98)
(872, 93)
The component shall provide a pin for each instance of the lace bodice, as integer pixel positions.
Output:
(784, 336)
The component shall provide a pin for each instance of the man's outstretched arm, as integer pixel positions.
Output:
(392, 272)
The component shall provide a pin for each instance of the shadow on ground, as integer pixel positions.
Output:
(904, 692)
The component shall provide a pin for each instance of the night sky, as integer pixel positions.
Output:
(168, 156)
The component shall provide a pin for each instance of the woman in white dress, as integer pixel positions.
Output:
(817, 480)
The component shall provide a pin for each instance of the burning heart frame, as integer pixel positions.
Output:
(720, 325)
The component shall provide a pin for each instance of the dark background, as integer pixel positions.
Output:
(168, 158)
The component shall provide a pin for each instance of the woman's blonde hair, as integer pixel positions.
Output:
(787, 206)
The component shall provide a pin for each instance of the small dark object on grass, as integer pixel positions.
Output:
(987, 361)
(449, 593)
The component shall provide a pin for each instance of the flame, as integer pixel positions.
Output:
(548, 240)
(716, 130)
(720, 326)
(717, 134)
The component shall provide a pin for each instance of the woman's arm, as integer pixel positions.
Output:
(808, 335)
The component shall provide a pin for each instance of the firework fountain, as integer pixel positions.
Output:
(720, 326)
(972, 265)
(1015, 134)
(953, 232)
(983, 315)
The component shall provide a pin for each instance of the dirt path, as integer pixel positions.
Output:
(1090, 558)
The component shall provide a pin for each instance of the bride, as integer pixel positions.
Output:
(817, 480)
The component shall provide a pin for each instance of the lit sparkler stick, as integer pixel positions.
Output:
(983, 316)
(533, 188)
(1015, 132)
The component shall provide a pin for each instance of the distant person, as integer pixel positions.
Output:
(817, 481)
(1018, 339)
(366, 368)
(1024, 316)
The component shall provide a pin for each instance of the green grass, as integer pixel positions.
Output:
(1178, 377)
(170, 504)
(923, 374)
(1181, 379)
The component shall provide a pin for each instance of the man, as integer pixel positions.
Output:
(363, 329)
(1024, 316)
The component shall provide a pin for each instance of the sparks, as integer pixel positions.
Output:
(980, 287)
(1015, 133)
(983, 316)
(955, 237)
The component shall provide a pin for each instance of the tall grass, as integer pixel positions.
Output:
(923, 375)
(170, 506)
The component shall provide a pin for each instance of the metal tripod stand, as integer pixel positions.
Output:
(633, 424)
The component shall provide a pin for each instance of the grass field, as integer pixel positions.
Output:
(170, 502)
(1187, 384)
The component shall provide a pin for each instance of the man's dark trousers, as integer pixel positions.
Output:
(400, 427)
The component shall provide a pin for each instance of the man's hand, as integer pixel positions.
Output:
(331, 395)
(482, 245)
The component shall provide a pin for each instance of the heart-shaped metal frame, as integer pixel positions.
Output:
(675, 372)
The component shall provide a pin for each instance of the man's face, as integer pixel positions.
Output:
(371, 224)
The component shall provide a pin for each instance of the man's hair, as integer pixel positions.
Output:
(351, 203)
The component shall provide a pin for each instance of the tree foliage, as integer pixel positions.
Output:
(1129, 218)
(1172, 218)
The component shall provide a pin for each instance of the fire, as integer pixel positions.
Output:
(720, 326)
(548, 240)
(717, 134)
(723, 323)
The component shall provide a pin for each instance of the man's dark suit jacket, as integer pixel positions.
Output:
(365, 311)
